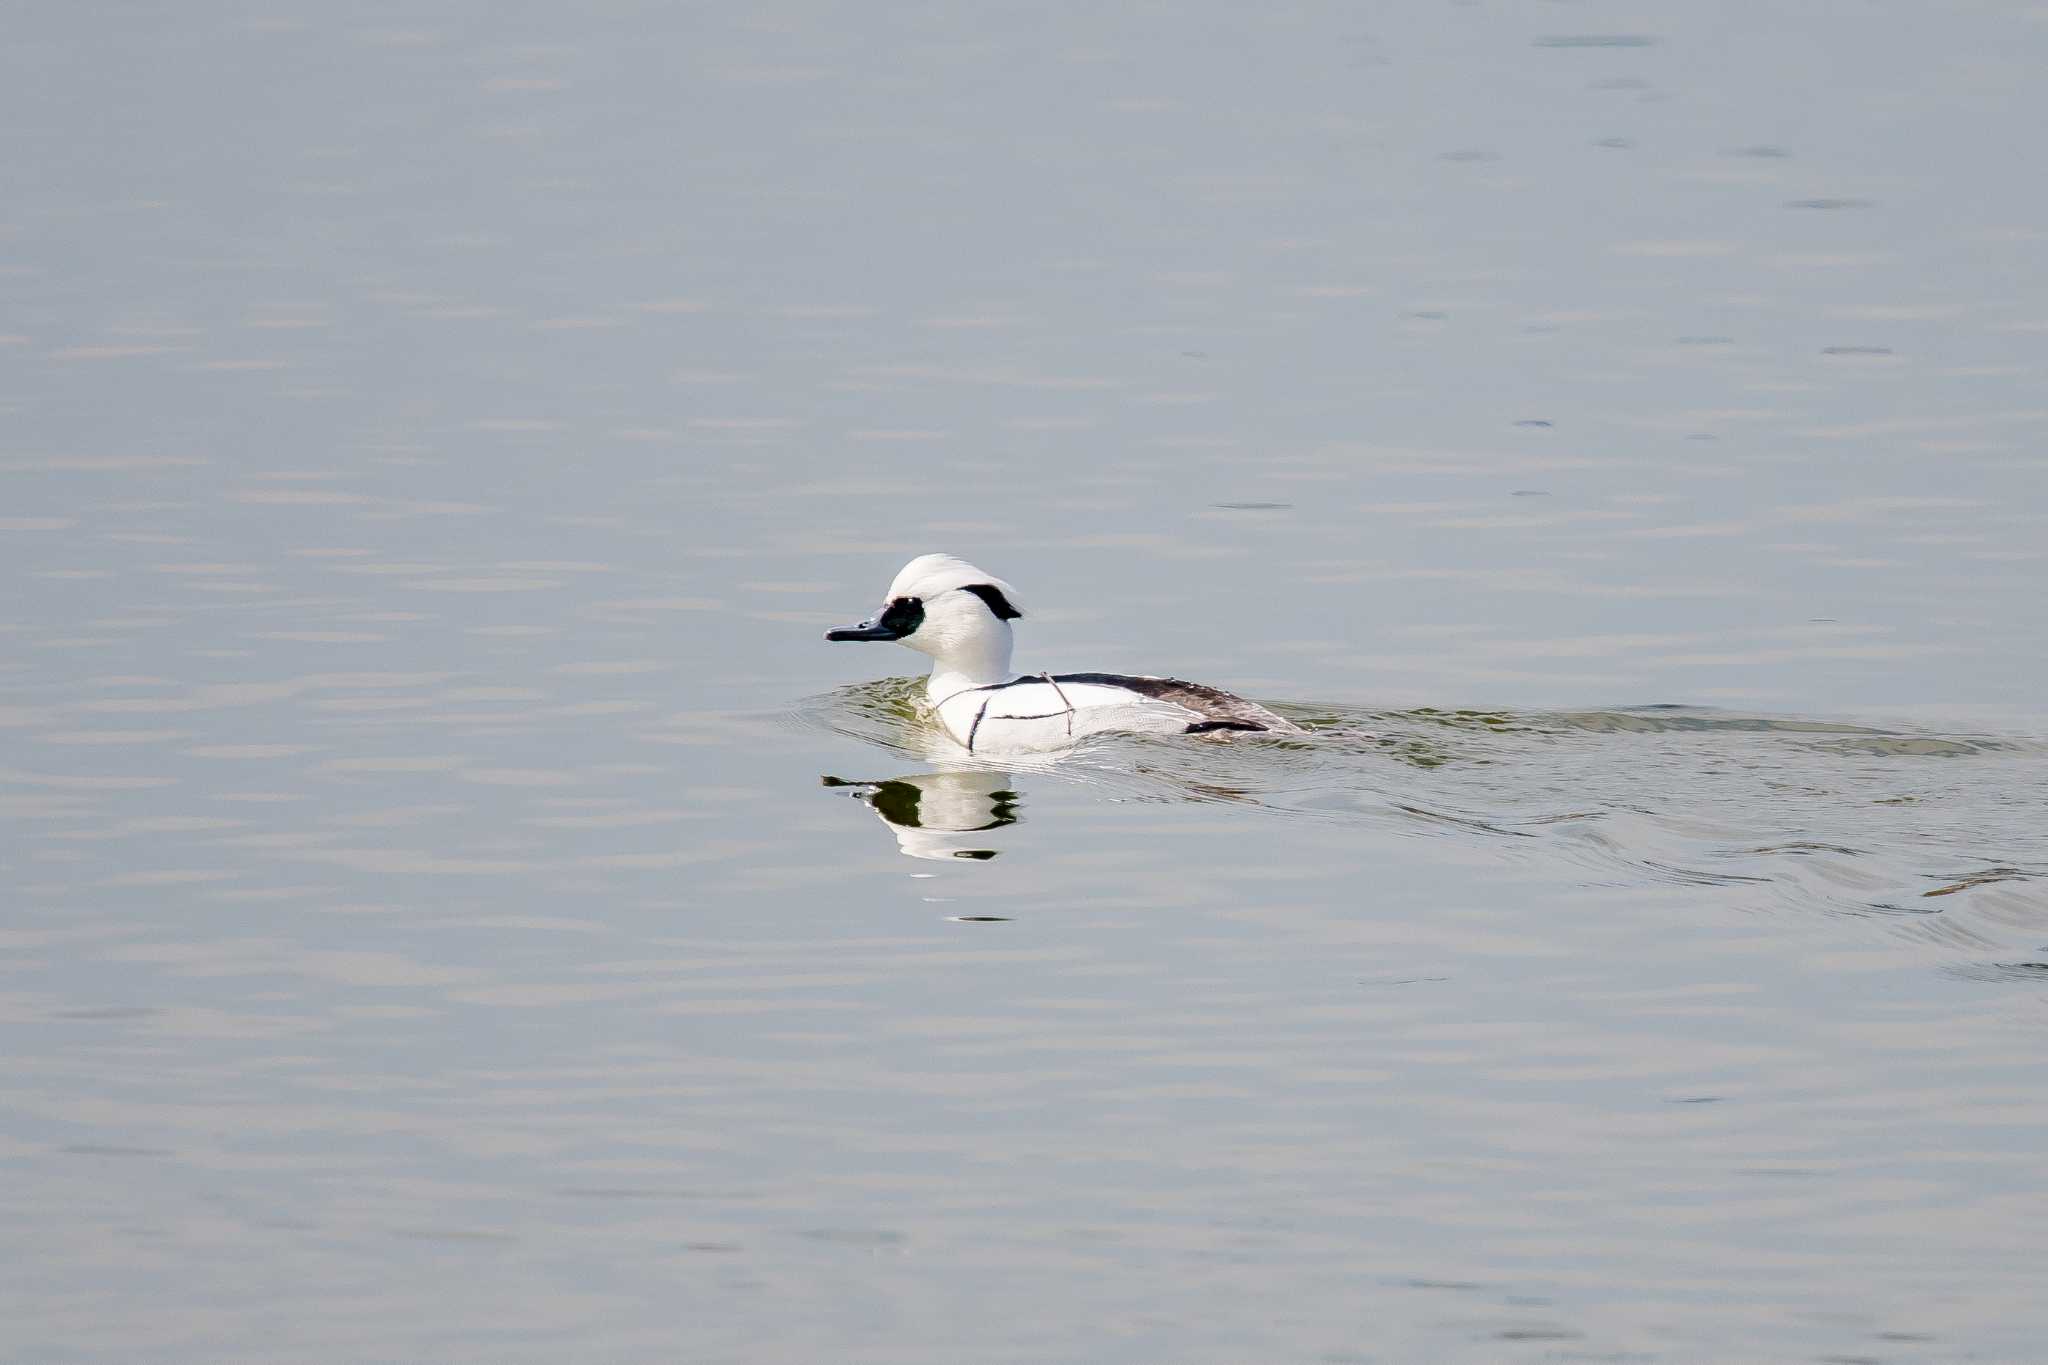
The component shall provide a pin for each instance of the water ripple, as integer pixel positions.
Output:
(1794, 815)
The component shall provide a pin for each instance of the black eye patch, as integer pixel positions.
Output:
(902, 616)
(993, 596)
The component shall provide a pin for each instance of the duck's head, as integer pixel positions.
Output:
(947, 608)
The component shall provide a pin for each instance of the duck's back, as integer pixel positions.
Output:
(1052, 710)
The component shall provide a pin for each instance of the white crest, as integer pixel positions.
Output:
(929, 575)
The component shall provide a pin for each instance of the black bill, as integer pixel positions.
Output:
(866, 630)
(900, 618)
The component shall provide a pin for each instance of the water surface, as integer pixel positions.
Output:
(457, 906)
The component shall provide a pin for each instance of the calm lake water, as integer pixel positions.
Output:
(458, 907)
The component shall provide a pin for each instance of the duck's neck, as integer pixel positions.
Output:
(976, 663)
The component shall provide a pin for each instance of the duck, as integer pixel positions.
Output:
(960, 615)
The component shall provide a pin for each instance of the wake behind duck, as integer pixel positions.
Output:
(961, 615)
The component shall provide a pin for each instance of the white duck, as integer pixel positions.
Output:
(961, 615)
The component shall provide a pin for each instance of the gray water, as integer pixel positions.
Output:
(447, 912)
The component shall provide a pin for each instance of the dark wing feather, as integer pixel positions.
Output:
(1219, 710)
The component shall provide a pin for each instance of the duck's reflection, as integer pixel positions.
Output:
(946, 814)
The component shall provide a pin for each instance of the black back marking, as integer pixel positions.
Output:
(1220, 710)
(975, 728)
(993, 596)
